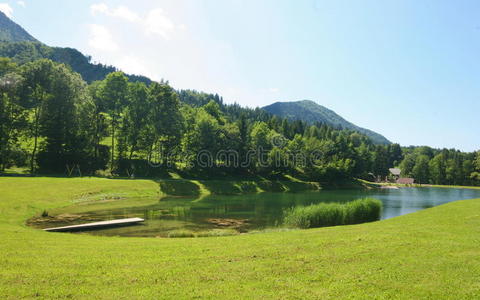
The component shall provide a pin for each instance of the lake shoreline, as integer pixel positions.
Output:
(419, 185)
(187, 215)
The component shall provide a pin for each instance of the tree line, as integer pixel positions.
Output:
(51, 121)
(445, 166)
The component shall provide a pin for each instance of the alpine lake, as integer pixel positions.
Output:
(239, 213)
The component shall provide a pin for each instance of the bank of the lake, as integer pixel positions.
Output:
(388, 184)
(430, 254)
(235, 186)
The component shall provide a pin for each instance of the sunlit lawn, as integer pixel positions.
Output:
(429, 254)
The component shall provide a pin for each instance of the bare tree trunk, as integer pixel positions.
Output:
(150, 151)
(113, 143)
(35, 139)
(132, 149)
(97, 136)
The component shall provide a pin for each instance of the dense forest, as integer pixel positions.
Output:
(446, 166)
(53, 122)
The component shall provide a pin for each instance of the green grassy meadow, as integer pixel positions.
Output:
(431, 254)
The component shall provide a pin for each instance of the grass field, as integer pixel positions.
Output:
(432, 254)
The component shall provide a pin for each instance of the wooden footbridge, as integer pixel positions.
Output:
(97, 225)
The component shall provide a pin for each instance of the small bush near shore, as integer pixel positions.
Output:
(363, 210)
(332, 214)
(181, 234)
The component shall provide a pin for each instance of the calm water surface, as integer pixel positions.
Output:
(247, 212)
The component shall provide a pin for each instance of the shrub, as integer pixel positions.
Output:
(181, 234)
(363, 210)
(332, 214)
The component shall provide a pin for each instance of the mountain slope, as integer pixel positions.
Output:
(23, 52)
(12, 32)
(21, 47)
(311, 112)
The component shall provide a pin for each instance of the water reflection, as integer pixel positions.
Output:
(252, 211)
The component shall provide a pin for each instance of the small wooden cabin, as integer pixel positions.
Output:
(405, 180)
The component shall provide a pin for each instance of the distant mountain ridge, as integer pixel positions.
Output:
(23, 52)
(12, 32)
(312, 112)
(17, 44)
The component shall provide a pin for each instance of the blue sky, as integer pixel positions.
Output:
(409, 70)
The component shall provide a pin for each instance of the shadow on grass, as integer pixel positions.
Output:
(179, 188)
(178, 183)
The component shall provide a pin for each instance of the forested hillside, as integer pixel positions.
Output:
(21, 47)
(313, 113)
(54, 122)
(22, 52)
(60, 112)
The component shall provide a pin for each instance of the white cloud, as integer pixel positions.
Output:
(121, 12)
(124, 12)
(134, 65)
(6, 9)
(21, 3)
(98, 8)
(101, 38)
(157, 23)
(273, 90)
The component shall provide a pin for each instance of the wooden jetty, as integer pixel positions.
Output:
(97, 225)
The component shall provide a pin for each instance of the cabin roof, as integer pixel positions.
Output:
(395, 171)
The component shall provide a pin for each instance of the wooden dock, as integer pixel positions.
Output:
(97, 225)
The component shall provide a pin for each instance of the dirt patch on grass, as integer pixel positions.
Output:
(62, 219)
(239, 224)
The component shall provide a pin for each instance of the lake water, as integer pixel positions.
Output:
(245, 212)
